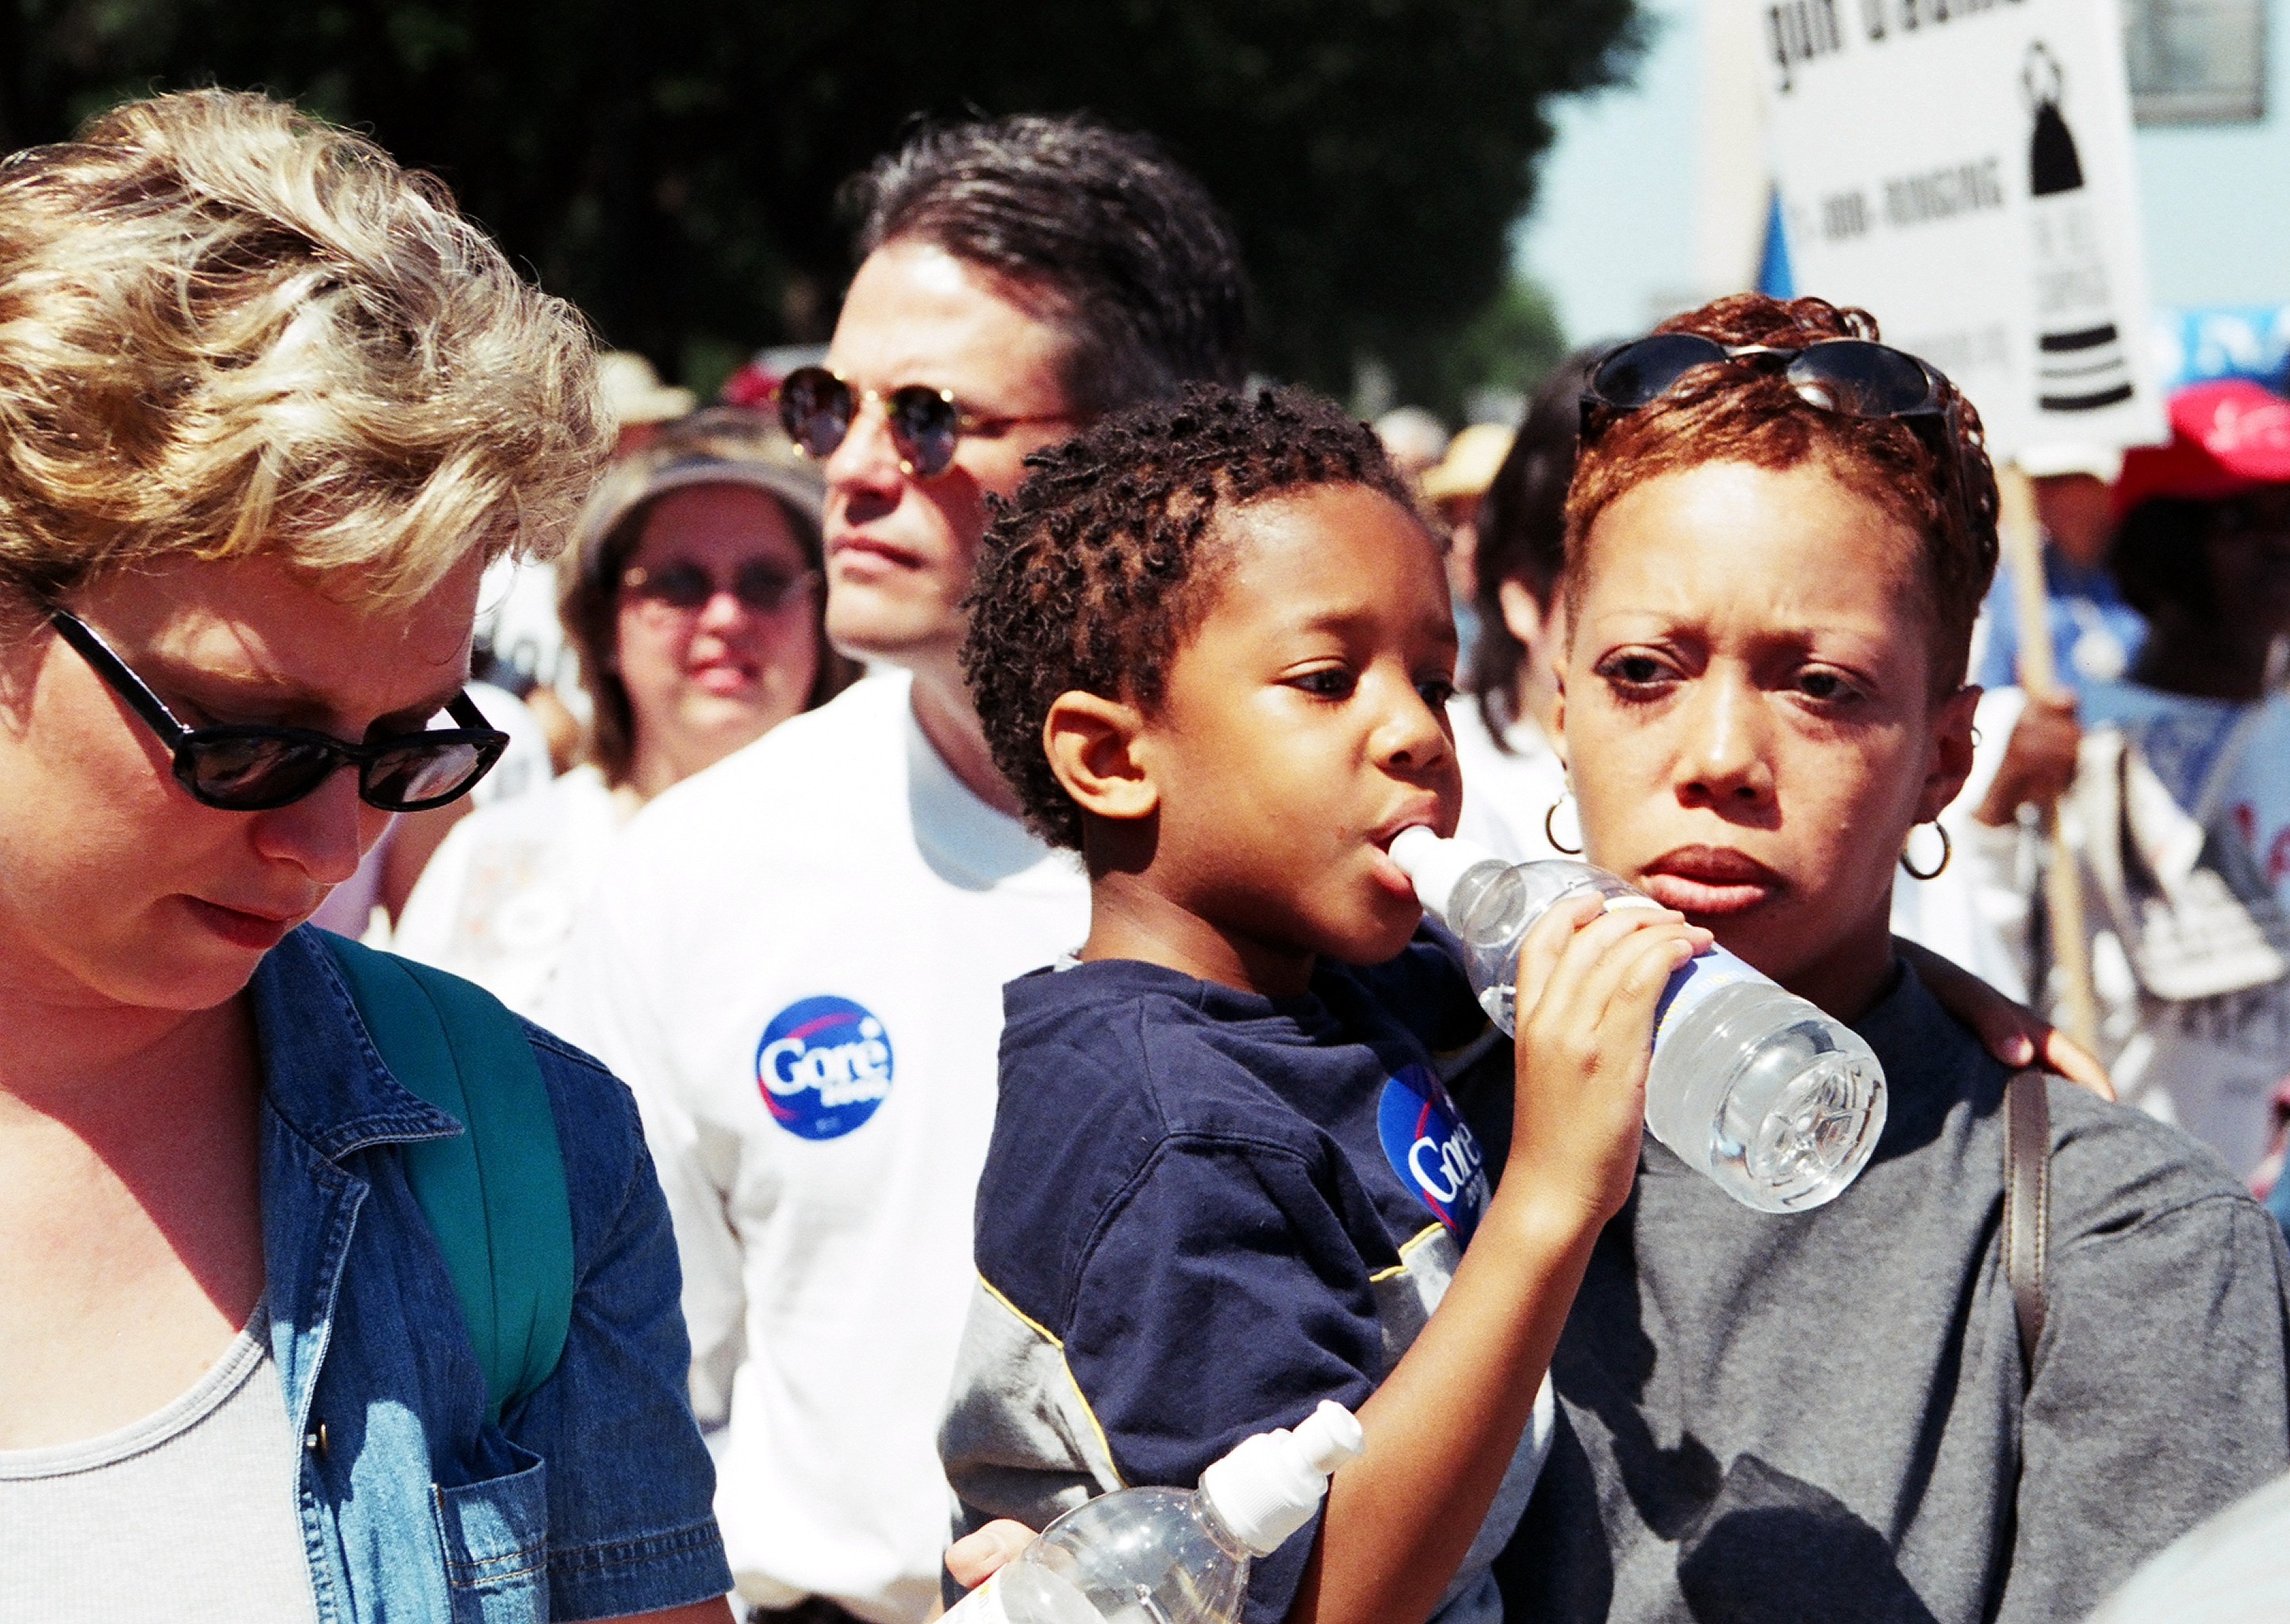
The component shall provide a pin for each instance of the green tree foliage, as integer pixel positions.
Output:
(672, 164)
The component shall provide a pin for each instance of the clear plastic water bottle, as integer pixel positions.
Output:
(1749, 1085)
(1170, 1556)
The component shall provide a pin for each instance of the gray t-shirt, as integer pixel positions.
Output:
(187, 1515)
(2230, 1571)
(1820, 1416)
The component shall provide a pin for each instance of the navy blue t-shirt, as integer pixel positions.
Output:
(1204, 1212)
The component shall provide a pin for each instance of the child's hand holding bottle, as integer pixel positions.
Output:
(1589, 979)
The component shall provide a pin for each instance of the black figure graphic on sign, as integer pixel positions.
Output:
(2080, 365)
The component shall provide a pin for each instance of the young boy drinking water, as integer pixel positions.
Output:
(1212, 647)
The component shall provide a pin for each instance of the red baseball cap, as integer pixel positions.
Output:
(2227, 438)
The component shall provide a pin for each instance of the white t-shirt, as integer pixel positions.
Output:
(796, 960)
(498, 900)
(1507, 793)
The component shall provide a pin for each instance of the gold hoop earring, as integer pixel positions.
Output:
(1947, 850)
(1551, 833)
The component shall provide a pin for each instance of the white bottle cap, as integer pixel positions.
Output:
(1269, 1486)
(1436, 866)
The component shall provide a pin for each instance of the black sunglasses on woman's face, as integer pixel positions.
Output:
(253, 767)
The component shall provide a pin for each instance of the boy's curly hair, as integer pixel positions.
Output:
(1095, 572)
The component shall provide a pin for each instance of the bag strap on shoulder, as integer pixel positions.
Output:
(2027, 1205)
(495, 1196)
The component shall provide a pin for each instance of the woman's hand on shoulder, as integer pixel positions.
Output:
(2012, 1033)
(1589, 979)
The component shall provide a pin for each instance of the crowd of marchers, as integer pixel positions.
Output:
(612, 1008)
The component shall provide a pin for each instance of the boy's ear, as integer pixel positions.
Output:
(1092, 744)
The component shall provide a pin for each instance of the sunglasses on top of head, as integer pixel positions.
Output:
(1850, 377)
(817, 409)
(256, 767)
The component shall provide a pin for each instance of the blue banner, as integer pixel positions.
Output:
(2207, 341)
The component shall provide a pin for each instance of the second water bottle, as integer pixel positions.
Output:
(1160, 1555)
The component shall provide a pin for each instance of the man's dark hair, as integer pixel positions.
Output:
(1133, 246)
(1106, 559)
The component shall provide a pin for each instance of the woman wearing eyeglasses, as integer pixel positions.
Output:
(1778, 535)
(692, 595)
(268, 408)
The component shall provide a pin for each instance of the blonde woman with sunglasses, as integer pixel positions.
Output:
(268, 408)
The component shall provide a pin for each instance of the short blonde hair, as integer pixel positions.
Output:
(229, 330)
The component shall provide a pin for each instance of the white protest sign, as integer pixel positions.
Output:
(1963, 170)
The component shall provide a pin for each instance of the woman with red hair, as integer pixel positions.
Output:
(1778, 536)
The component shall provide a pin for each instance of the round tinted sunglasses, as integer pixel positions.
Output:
(817, 409)
(759, 588)
(253, 768)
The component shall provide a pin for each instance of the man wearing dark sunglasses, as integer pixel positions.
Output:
(798, 962)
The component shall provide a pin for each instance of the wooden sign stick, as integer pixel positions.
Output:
(2017, 529)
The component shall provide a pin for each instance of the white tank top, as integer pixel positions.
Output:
(187, 1515)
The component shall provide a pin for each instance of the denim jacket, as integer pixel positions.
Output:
(592, 1497)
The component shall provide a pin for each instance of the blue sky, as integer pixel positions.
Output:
(1611, 232)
